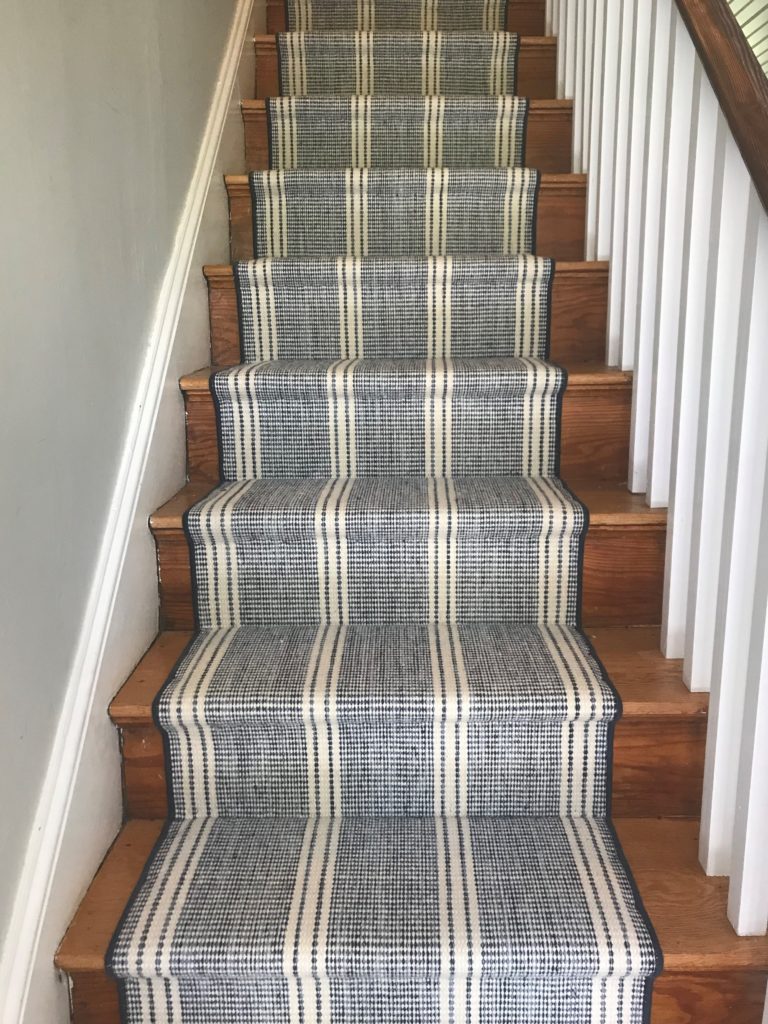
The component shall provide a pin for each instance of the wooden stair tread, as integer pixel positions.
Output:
(610, 506)
(650, 686)
(687, 908)
(586, 375)
(544, 107)
(238, 184)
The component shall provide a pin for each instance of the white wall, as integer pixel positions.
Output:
(103, 109)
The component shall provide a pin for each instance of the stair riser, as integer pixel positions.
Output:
(639, 746)
(737, 997)
(560, 221)
(548, 137)
(528, 17)
(579, 314)
(623, 576)
(536, 68)
(594, 436)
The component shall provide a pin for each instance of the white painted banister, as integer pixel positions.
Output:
(672, 204)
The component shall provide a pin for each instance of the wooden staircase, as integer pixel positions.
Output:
(710, 975)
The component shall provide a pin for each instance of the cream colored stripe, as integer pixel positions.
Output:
(432, 563)
(323, 922)
(260, 278)
(447, 294)
(140, 955)
(445, 923)
(443, 550)
(508, 214)
(554, 545)
(323, 710)
(177, 711)
(294, 140)
(460, 924)
(202, 747)
(475, 938)
(444, 212)
(332, 546)
(302, 91)
(356, 201)
(313, 894)
(357, 306)
(529, 429)
(603, 935)
(627, 960)
(321, 547)
(450, 717)
(310, 678)
(222, 576)
(294, 922)
(239, 423)
(341, 418)
(252, 416)
(175, 898)
(530, 317)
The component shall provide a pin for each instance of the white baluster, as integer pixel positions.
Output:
(608, 126)
(638, 142)
(716, 413)
(578, 85)
(595, 129)
(697, 302)
(549, 18)
(621, 174)
(744, 488)
(571, 45)
(678, 177)
(562, 43)
(651, 247)
(589, 59)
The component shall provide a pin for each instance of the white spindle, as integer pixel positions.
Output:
(621, 176)
(608, 126)
(595, 129)
(578, 84)
(571, 46)
(638, 142)
(696, 303)
(744, 490)
(716, 413)
(678, 175)
(589, 60)
(549, 18)
(651, 246)
(563, 43)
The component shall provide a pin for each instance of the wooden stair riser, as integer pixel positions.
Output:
(638, 789)
(579, 314)
(528, 17)
(623, 576)
(736, 997)
(536, 67)
(560, 218)
(548, 145)
(594, 441)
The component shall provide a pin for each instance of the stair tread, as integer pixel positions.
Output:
(688, 908)
(217, 271)
(609, 505)
(260, 105)
(587, 375)
(650, 686)
(379, 880)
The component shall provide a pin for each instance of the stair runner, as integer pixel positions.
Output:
(389, 743)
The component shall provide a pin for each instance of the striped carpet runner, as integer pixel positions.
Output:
(389, 743)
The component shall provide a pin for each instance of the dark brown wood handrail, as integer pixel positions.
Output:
(737, 78)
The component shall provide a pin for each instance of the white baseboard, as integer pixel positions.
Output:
(79, 810)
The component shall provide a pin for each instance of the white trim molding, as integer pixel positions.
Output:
(79, 810)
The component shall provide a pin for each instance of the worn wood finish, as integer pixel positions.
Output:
(595, 427)
(623, 558)
(528, 17)
(579, 314)
(536, 67)
(560, 216)
(710, 975)
(737, 78)
(548, 136)
(662, 721)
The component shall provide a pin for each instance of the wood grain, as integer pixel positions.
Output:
(710, 975)
(595, 426)
(579, 314)
(536, 67)
(663, 722)
(527, 17)
(548, 136)
(737, 78)
(623, 558)
(560, 216)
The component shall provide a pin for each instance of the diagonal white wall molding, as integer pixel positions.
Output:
(79, 811)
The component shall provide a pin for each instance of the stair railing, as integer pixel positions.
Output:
(671, 124)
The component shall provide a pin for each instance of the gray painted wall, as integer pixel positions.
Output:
(102, 108)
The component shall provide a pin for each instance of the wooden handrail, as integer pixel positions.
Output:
(737, 78)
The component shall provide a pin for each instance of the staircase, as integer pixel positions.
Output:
(257, 805)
